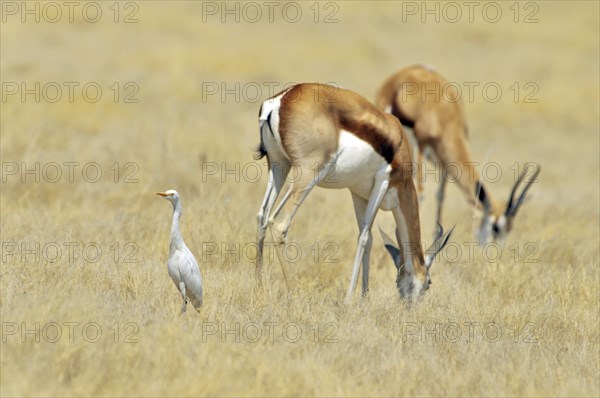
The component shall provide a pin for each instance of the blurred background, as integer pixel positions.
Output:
(181, 84)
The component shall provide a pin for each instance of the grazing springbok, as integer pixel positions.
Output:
(335, 138)
(425, 103)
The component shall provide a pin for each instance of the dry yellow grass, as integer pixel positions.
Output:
(547, 310)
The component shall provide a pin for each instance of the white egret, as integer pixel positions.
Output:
(183, 267)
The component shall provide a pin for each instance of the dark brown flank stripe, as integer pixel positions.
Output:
(371, 134)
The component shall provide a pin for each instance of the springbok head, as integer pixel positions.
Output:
(413, 281)
(498, 219)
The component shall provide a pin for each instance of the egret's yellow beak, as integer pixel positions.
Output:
(162, 194)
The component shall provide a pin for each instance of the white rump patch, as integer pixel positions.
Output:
(272, 140)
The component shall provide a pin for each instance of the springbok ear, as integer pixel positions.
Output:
(391, 248)
(482, 197)
(438, 244)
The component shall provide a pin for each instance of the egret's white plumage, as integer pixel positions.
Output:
(183, 267)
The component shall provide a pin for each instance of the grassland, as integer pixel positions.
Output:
(85, 255)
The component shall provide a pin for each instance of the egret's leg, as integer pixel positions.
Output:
(380, 188)
(182, 290)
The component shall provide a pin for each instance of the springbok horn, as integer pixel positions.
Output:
(512, 207)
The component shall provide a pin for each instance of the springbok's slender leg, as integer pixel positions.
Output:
(408, 230)
(440, 196)
(281, 219)
(380, 188)
(417, 159)
(360, 209)
(277, 174)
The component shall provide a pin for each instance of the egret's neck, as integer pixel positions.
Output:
(176, 239)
